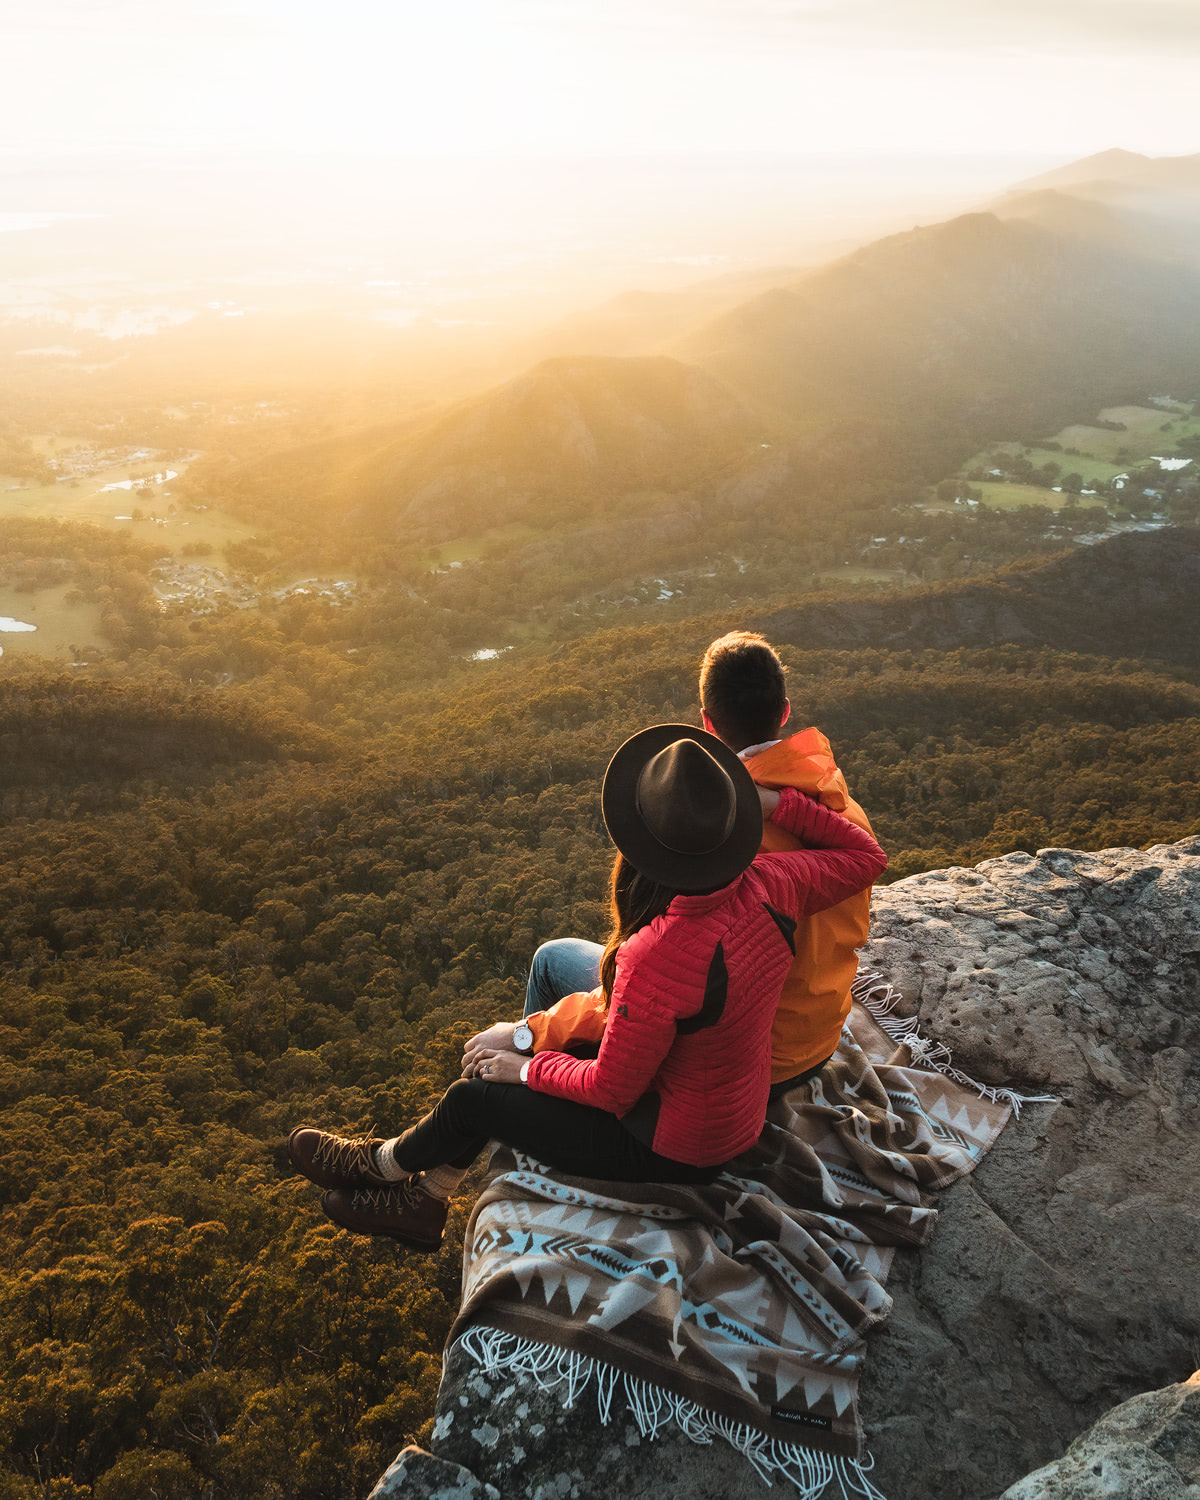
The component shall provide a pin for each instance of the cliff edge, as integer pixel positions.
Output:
(1061, 1279)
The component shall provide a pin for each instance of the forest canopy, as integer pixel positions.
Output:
(219, 918)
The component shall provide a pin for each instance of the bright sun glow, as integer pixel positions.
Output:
(493, 77)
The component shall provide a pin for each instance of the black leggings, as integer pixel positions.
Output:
(576, 1138)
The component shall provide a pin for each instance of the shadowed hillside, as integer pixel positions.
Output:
(980, 323)
(1153, 234)
(1136, 595)
(86, 737)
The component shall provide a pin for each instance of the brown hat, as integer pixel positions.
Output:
(682, 808)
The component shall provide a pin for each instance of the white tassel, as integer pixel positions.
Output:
(879, 998)
(654, 1410)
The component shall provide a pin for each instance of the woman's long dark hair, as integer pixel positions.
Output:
(634, 901)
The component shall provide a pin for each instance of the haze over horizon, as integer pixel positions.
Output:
(596, 146)
(579, 77)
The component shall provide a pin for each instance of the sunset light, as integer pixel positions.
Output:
(599, 743)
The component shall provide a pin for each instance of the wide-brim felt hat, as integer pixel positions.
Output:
(682, 808)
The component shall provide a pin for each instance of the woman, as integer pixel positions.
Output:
(701, 945)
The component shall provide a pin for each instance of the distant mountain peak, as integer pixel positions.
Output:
(987, 321)
(1116, 165)
(568, 436)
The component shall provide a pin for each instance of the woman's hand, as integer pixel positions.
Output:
(497, 1038)
(499, 1067)
(769, 798)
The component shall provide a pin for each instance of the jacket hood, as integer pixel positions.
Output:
(804, 760)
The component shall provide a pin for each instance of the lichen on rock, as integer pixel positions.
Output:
(1146, 1449)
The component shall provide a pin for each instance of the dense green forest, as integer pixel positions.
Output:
(227, 910)
(262, 865)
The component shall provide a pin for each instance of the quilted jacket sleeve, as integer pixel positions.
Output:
(840, 860)
(651, 993)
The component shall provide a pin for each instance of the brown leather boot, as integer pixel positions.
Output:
(336, 1161)
(403, 1211)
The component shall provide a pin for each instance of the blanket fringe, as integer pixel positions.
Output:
(654, 1410)
(879, 997)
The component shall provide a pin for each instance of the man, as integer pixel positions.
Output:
(744, 702)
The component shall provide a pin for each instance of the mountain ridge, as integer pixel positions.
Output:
(573, 435)
(976, 320)
(1118, 165)
(1137, 594)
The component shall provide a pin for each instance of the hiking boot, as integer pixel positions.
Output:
(336, 1161)
(403, 1211)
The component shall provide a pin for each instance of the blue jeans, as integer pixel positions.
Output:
(562, 967)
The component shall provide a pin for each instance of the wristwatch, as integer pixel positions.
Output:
(523, 1038)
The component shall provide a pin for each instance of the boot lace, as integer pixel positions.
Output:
(412, 1192)
(347, 1153)
(406, 1194)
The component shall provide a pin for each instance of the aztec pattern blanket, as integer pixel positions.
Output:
(739, 1308)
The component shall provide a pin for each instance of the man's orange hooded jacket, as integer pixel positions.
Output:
(816, 993)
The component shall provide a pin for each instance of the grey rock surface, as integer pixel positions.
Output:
(1147, 1449)
(525, 1442)
(1062, 1279)
(416, 1475)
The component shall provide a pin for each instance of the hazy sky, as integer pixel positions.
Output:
(1053, 77)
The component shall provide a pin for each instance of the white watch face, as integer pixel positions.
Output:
(523, 1038)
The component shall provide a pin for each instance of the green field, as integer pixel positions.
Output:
(1143, 436)
(1087, 467)
(59, 625)
(1098, 446)
(86, 502)
(1011, 496)
(1076, 463)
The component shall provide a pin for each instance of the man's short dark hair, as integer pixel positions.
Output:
(742, 689)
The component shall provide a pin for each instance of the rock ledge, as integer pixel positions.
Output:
(1062, 1277)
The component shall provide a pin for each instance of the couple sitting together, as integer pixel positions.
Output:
(654, 1057)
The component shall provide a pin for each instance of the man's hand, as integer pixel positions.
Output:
(769, 798)
(497, 1038)
(499, 1067)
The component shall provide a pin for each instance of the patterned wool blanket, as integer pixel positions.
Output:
(736, 1309)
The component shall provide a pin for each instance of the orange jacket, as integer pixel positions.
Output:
(816, 993)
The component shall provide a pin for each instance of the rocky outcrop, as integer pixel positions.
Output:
(1062, 1277)
(1149, 1448)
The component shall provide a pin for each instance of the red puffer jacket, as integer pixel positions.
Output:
(685, 1061)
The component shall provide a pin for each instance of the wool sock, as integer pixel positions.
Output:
(386, 1164)
(440, 1182)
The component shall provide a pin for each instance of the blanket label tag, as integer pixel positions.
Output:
(809, 1418)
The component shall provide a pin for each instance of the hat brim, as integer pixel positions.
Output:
(628, 831)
